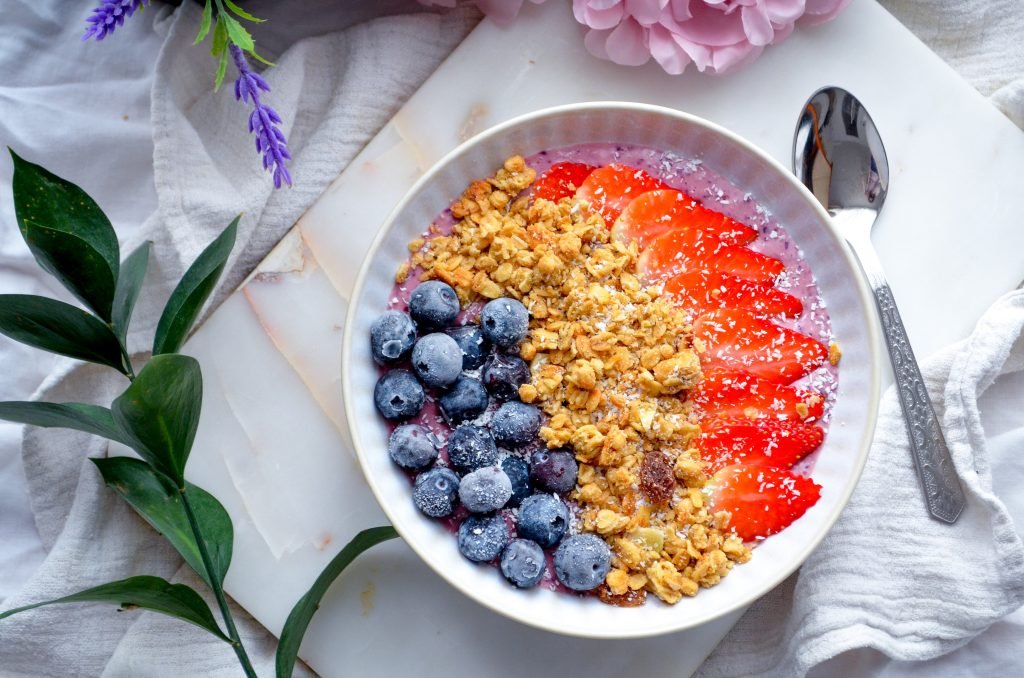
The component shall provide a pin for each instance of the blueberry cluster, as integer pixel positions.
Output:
(490, 468)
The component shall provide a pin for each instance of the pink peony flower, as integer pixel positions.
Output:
(715, 35)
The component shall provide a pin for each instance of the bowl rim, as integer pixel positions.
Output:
(871, 326)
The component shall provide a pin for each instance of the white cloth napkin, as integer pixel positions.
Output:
(887, 576)
(335, 92)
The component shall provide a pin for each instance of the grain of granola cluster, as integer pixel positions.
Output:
(611, 362)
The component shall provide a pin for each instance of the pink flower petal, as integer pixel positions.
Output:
(782, 32)
(701, 54)
(712, 27)
(626, 44)
(726, 58)
(601, 4)
(757, 26)
(680, 9)
(600, 19)
(666, 51)
(595, 41)
(646, 12)
(784, 11)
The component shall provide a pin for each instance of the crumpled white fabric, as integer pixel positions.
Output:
(887, 576)
(83, 111)
(335, 92)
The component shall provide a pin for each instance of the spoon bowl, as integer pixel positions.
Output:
(838, 153)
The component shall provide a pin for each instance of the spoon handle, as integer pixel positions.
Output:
(942, 489)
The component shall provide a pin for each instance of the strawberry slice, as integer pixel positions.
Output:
(738, 339)
(692, 249)
(653, 213)
(707, 290)
(731, 395)
(610, 188)
(762, 501)
(766, 442)
(561, 180)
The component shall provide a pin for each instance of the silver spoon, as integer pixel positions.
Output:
(838, 155)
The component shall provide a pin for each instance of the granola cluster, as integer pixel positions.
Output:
(611, 364)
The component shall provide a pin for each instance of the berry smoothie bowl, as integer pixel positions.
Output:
(609, 370)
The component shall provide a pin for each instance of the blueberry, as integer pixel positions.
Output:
(433, 305)
(504, 374)
(544, 518)
(436, 492)
(582, 562)
(392, 335)
(411, 447)
(523, 563)
(485, 490)
(515, 424)
(437, 360)
(518, 472)
(482, 538)
(504, 322)
(398, 395)
(471, 447)
(474, 347)
(554, 470)
(465, 400)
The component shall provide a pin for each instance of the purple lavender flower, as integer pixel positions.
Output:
(263, 121)
(108, 15)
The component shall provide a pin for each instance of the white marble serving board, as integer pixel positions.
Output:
(272, 443)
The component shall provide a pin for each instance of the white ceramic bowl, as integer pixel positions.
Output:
(842, 457)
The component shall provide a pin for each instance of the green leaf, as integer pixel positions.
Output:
(149, 593)
(129, 284)
(222, 69)
(161, 409)
(158, 501)
(242, 13)
(204, 23)
(260, 59)
(78, 416)
(237, 33)
(59, 328)
(219, 44)
(195, 287)
(300, 616)
(67, 233)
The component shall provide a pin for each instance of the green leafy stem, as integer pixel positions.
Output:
(227, 30)
(157, 415)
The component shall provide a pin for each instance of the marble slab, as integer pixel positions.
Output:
(272, 443)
